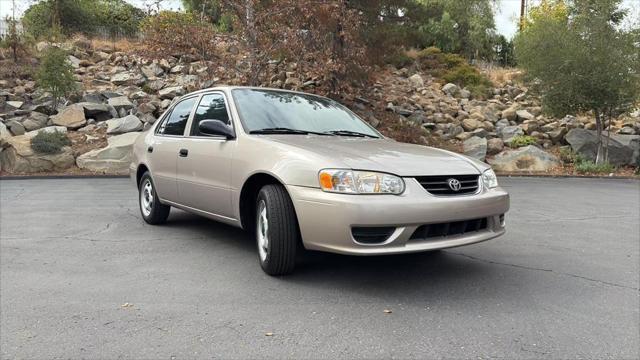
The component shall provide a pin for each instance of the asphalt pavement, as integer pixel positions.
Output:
(81, 276)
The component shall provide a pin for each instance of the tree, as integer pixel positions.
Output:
(582, 60)
(55, 74)
(504, 54)
(14, 39)
(209, 9)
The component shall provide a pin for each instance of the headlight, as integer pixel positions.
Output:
(489, 179)
(359, 182)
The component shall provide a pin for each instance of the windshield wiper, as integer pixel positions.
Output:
(350, 133)
(284, 130)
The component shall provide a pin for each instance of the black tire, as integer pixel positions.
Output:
(283, 235)
(157, 213)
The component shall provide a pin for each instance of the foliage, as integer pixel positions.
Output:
(589, 167)
(582, 60)
(504, 53)
(211, 10)
(464, 27)
(49, 142)
(454, 68)
(175, 33)
(89, 17)
(519, 141)
(15, 39)
(55, 74)
(399, 60)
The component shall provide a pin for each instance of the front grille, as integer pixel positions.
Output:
(449, 229)
(440, 185)
(371, 235)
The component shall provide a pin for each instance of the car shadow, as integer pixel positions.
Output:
(441, 271)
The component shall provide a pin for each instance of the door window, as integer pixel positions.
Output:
(211, 107)
(177, 120)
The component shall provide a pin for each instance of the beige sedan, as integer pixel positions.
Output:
(300, 169)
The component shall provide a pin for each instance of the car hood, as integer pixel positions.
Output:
(382, 155)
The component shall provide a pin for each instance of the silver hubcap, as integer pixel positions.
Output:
(146, 197)
(263, 231)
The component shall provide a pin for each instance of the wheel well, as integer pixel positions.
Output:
(141, 170)
(249, 194)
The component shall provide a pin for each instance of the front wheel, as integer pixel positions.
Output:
(153, 212)
(277, 234)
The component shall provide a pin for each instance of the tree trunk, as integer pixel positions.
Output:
(600, 155)
(252, 42)
(337, 49)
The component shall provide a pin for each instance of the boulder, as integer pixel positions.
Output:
(621, 147)
(71, 117)
(113, 159)
(5, 135)
(120, 102)
(509, 132)
(151, 71)
(416, 81)
(494, 146)
(125, 124)
(19, 157)
(15, 104)
(529, 158)
(16, 127)
(450, 89)
(509, 114)
(171, 92)
(476, 147)
(471, 124)
(524, 115)
(557, 136)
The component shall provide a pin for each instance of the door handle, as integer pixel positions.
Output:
(150, 149)
(184, 152)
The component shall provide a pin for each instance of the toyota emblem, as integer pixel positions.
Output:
(454, 184)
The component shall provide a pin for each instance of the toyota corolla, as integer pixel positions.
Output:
(301, 171)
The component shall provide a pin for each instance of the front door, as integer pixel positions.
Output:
(204, 163)
(165, 147)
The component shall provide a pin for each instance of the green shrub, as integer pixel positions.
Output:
(55, 74)
(589, 167)
(519, 141)
(567, 155)
(49, 142)
(399, 59)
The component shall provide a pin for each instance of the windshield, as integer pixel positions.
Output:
(271, 109)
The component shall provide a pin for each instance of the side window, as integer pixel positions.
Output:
(177, 120)
(211, 107)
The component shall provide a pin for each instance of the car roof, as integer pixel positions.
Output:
(233, 87)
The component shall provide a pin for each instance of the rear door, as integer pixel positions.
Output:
(204, 169)
(164, 151)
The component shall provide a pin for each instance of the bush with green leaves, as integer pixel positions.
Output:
(55, 74)
(49, 142)
(89, 17)
(519, 141)
(589, 167)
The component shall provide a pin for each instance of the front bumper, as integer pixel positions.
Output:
(326, 219)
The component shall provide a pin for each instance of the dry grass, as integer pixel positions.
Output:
(124, 45)
(500, 76)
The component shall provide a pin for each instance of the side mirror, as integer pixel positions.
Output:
(215, 128)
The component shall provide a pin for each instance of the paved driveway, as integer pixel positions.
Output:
(83, 277)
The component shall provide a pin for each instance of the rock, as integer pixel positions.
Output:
(476, 147)
(146, 108)
(418, 118)
(585, 142)
(292, 83)
(153, 70)
(528, 158)
(120, 78)
(509, 132)
(4, 134)
(75, 62)
(523, 115)
(19, 157)
(16, 128)
(557, 136)
(35, 121)
(509, 114)
(416, 81)
(494, 146)
(465, 94)
(114, 158)
(71, 117)
(450, 89)
(177, 69)
(126, 124)
(171, 92)
(15, 104)
(120, 102)
(471, 124)
(627, 131)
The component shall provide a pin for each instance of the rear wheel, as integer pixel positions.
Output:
(277, 234)
(153, 212)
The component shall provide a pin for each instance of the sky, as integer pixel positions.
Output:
(507, 11)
